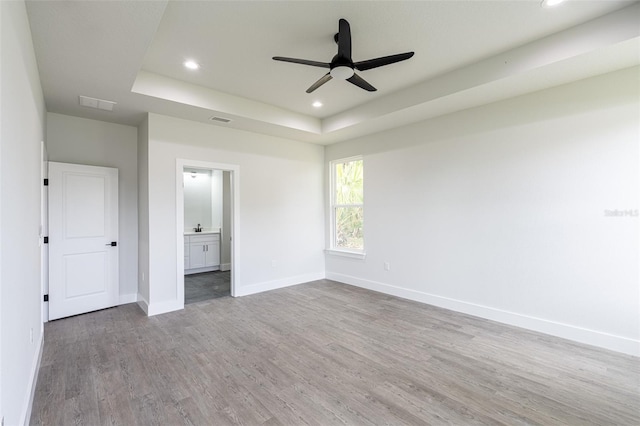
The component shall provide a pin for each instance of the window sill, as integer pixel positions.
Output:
(344, 253)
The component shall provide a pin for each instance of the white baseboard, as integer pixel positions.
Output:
(200, 270)
(144, 305)
(164, 307)
(127, 298)
(566, 331)
(276, 284)
(176, 305)
(35, 368)
(225, 267)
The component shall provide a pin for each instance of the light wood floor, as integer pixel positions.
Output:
(323, 353)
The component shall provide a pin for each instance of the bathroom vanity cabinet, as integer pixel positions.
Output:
(201, 252)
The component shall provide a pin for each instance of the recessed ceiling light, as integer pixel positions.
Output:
(317, 104)
(551, 3)
(192, 65)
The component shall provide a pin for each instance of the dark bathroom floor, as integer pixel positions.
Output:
(206, 285)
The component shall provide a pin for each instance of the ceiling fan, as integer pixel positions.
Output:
(342, 66)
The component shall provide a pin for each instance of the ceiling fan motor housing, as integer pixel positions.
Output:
(342, 66)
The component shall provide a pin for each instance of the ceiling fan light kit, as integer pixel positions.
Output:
(342, 66)
(342, 72)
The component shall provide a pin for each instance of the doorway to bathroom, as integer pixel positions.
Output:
(206, 195)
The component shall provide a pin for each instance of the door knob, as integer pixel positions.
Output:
(112, 244)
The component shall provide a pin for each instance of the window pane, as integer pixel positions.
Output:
(349, 182)
(349, 227)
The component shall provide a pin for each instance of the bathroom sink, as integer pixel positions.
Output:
(204, 231)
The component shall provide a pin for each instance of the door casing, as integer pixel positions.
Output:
(235, 222)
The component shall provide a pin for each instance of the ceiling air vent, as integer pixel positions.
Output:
(219, 119)
(96, 103)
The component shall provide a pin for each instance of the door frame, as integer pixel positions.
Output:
(44, 231)
(234, 171)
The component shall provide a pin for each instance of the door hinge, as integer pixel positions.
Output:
(46, 240)
(46, 182)
(46, 298)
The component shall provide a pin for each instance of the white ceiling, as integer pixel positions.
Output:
(466, 53)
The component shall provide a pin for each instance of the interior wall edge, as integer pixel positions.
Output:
(22, 132)
(164, 307)
(33, 379)
(127, 298)
(143, 304)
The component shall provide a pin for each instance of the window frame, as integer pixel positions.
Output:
(333, 248)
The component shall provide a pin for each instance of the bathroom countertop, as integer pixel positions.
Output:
(204, 232)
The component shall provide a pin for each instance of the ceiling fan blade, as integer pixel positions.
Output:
(379, 62)
(319, 83)
(361, 82)
(302, 61)
(344, 39)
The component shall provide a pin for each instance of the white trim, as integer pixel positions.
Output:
(566, 331)
(144, 305)
(35, 368)
(333, 205)
(200, 270)
(164, 307)
(181, 163)
(281, 283)
(127, 298)
(345, 253)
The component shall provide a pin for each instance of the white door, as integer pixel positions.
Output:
(83, 235)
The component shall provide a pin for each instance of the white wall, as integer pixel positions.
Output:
(21, 133)
(499, 211)
(197, 200)
(143, 214)
(281, 208)
(216, 199)
(97, 143)
(202, 199)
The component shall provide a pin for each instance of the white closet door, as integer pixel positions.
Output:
(83, 236)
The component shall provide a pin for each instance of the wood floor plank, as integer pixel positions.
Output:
(323, 353)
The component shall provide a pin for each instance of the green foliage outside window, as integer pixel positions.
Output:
(348, 205)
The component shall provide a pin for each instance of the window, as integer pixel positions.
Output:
(347, 205)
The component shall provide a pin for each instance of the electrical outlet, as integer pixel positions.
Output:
(387, 266)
